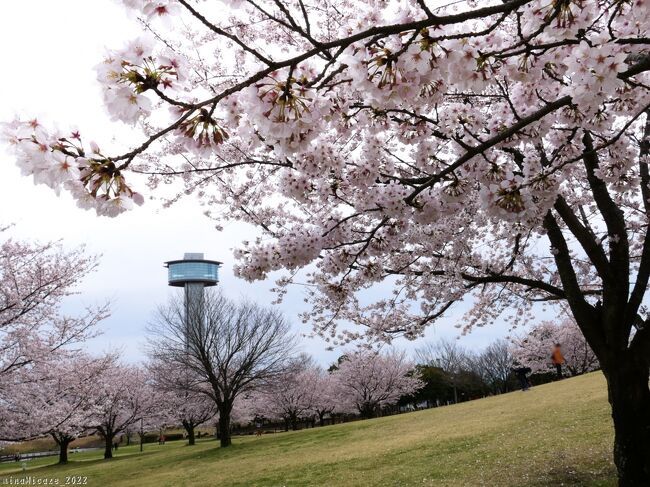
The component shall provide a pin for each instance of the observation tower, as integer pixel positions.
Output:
(193, 273)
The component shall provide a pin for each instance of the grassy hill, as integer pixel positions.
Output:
(555, 434)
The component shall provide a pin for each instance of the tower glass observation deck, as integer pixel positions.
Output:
(192, 269)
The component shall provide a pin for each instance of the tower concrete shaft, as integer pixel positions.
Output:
(194, 308)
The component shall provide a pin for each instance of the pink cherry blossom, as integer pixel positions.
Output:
(367, 380)
(487, 153)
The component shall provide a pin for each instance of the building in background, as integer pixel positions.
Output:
(193, 273)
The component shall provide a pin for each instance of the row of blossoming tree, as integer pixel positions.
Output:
(237, 361)
(231, 362)
(488, 152)
(46, 378)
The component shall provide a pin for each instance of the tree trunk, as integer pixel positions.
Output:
(294, 422)
(321, 419)
(629, 397)
(63, 442)
(224, 429)
(189, 428)
(63, 450)
(108, 446)
(368, 411)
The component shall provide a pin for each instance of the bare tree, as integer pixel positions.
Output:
(446, 355)
(494, 365)
(229, 348)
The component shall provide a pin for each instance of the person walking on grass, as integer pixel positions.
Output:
(521, 373)
(558, 359)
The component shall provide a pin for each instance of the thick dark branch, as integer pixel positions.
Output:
(530, 283)
(587, 240)
(641, 345)
(425, 9)
(641, 66)
(619, 249)
(494, 279)
(562, 257)
(583, 312)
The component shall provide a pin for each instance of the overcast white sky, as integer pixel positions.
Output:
(48, 52)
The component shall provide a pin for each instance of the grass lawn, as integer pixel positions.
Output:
(555, 434)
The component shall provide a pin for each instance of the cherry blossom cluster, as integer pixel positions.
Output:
(436, 148)
(123, 395)
(362, 382)
(128, 74)
(293, 396)
(61, 160)
(199, 131)
(47, 380)
(34, 280)
(285, 110)
(56, 399)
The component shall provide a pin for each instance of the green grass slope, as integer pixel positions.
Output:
(555, 434)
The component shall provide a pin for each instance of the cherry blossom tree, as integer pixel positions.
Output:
(292, 394)
(176, 391)
(53, 399)
(230, 348)
(534, 349)
(493, 153)
(325, 400)
(40, 347)
(368, 380)
(123, 396)
(34, 279)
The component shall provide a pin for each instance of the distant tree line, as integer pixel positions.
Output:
(451, 373)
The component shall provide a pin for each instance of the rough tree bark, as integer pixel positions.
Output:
(189, 428)
(223, 425)
(224, 430)
(63, 442)
(629, 397)
(108, 443)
